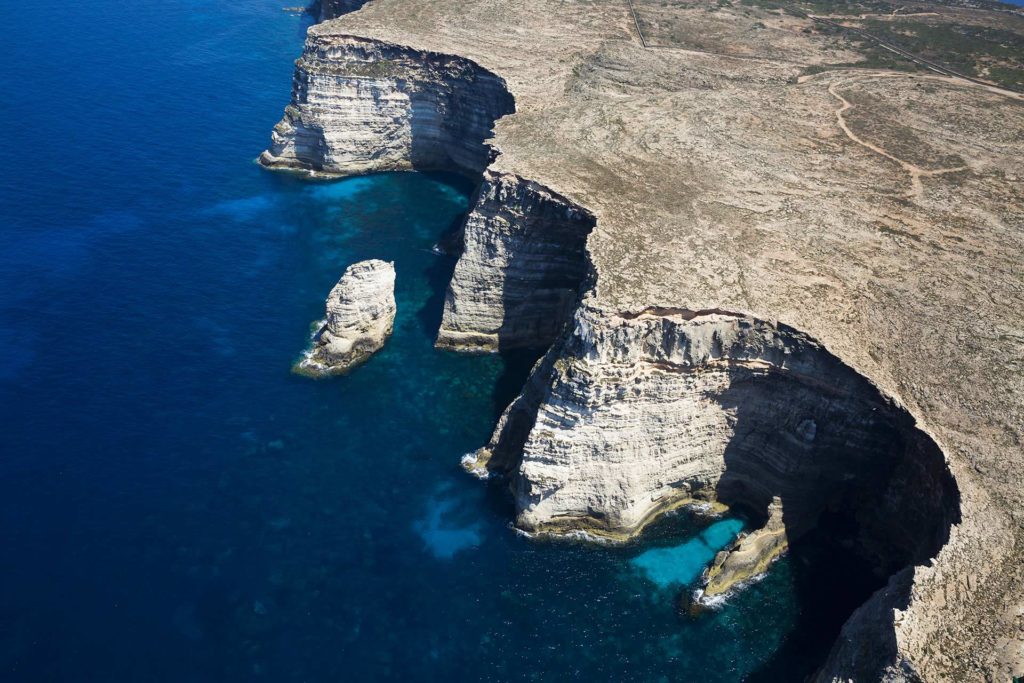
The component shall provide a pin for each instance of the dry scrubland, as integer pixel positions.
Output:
(757, 162)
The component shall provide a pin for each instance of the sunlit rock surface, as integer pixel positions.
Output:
(750, 556)
(521, 269)
(360, 318)
(360, 106)
(865, 225)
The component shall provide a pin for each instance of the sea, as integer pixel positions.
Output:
(176, 505)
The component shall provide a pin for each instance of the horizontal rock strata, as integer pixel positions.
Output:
(360, 106)
(642, 412)
(522, 266)
(634, 414)
(360, 318)
(878, 212)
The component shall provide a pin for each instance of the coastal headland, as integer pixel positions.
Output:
(765, 281)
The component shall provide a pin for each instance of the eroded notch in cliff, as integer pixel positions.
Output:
(631, 416)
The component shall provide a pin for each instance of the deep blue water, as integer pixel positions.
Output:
(174, 504)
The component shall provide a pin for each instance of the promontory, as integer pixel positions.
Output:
(773, 269)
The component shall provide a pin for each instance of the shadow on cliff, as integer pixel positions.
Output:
(865, 496)
(322, 10)
(547, 268)
(516, 366)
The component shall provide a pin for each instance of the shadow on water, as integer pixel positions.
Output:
(439, 272)
(829, 582)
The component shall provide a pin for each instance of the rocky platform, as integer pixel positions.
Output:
(360, 318)
(759, 285)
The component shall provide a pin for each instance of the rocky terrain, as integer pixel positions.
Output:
(518, 277)
(770, 283)
(750, 556)
(360, 318)
(332, 9)
(360, 106)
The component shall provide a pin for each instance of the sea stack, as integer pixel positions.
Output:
(750, 555)
(360, 317)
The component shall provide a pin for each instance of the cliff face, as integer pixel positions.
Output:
(642, 412)
(633, 414)
(870, 210)
(360, 317)
(522, 266)
(360, 106)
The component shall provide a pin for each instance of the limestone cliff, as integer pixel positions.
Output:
(698, 199)
(641, 412)
(360, 106)
(522, 265)
(360, 318)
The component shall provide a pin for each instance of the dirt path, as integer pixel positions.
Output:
(915, 172)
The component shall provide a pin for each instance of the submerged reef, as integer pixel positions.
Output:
(360, 318)
(787, 294)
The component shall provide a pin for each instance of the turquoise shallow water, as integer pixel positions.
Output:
(174, 504)
(681, 565)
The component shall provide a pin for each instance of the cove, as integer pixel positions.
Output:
(681, 565)
(175, 504)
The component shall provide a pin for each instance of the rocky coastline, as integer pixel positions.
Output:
(361, 106)
(667, 382)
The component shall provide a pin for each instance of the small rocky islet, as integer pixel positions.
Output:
(360, 316)
(733, 257)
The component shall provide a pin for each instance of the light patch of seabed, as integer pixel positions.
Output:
(339, 190)
(682, 564)
(243, 209)
(442, 532)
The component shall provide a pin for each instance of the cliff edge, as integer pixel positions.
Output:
(694, 231)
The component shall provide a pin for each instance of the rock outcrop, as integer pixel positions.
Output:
(878, 214)
(521, 270)
(642, 412)
(360, 106)
(360, 318)
(750, 555)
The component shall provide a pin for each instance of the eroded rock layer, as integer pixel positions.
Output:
(633, 414)
(878, 212)
(360, 318)
(749, 555)
(643, 412)
(360, 106)
(522, 266)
